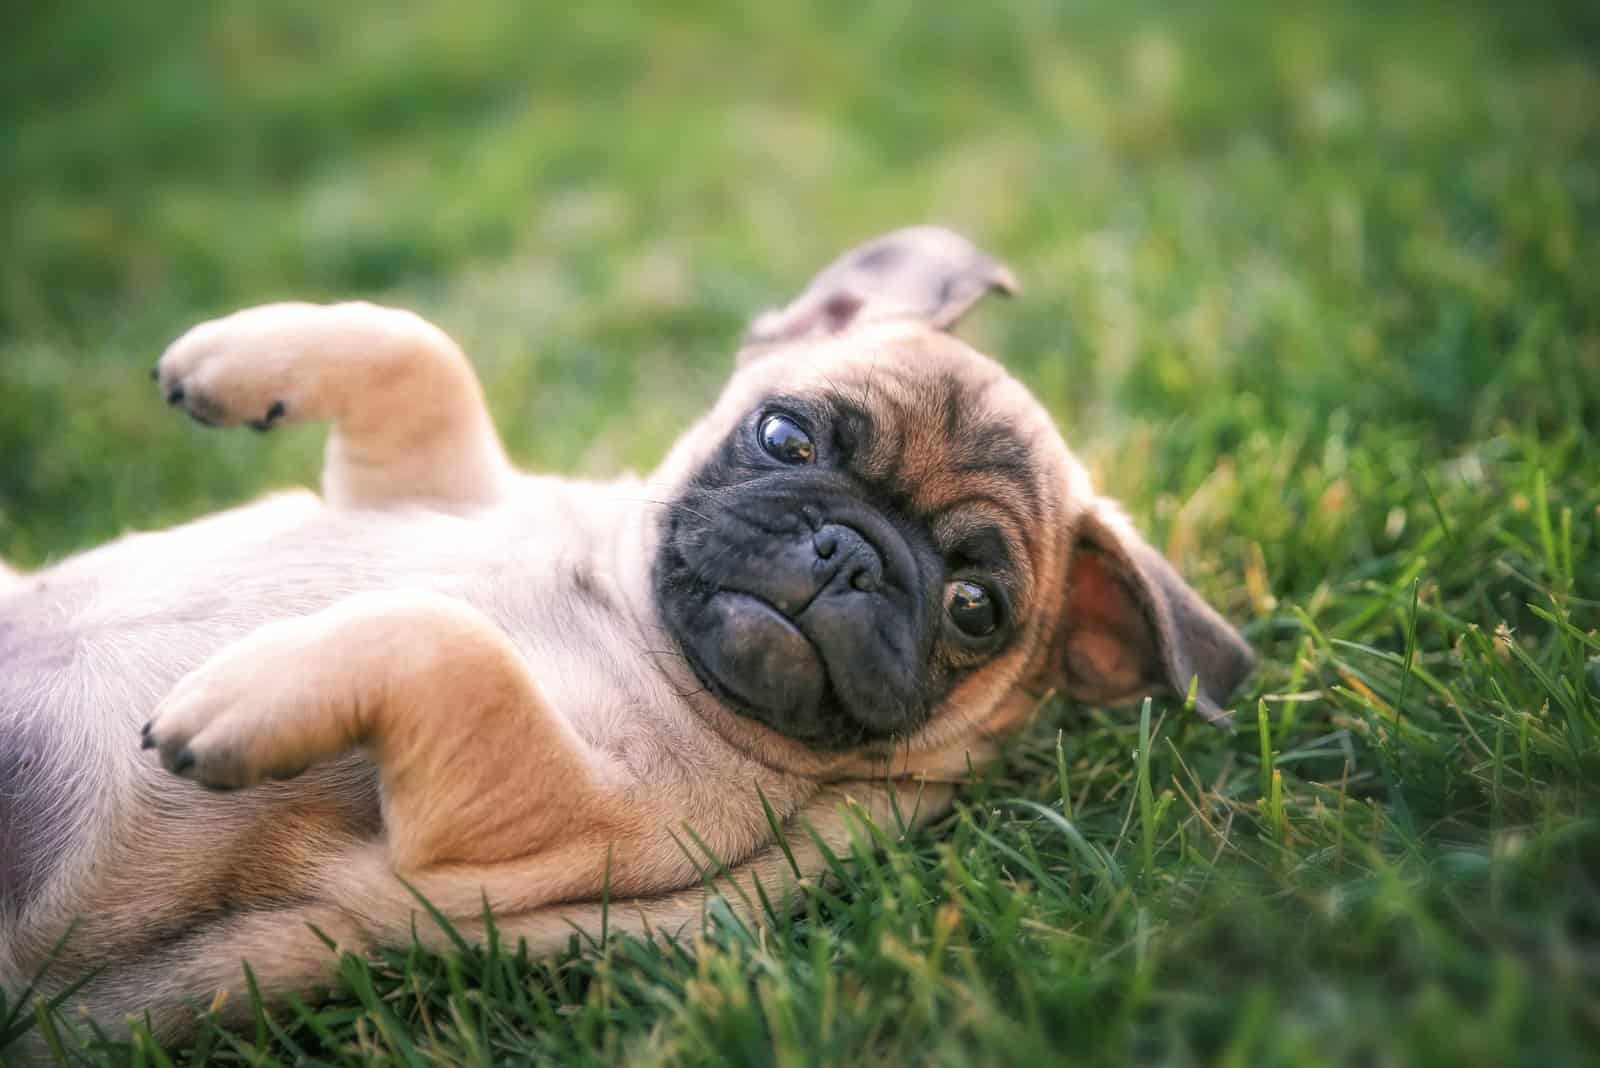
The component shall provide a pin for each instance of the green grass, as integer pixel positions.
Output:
(1314, 291)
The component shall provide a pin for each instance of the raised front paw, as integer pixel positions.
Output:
(244, 716)
(247, 368)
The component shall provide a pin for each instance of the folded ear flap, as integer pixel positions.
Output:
(1132, 626)
(924, 273)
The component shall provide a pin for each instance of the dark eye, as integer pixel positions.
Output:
(785, 441)
(971, 608)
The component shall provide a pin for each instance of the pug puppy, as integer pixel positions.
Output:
(840, 590)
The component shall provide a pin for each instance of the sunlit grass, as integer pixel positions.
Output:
(1312, 291)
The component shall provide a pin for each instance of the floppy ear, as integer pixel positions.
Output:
(1131, 625)
(924, 273)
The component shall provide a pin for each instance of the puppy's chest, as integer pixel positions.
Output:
(569, 616)
(610, 675)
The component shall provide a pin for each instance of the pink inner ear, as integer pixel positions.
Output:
(839, 309)
(1108, 645)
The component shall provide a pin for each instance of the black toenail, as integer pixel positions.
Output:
(267, 421)
(146, 728)
(175, 395)
(155, 372)
(147, 742)
(183, 761)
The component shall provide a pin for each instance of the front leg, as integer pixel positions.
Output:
(476, 768)
(409, 420)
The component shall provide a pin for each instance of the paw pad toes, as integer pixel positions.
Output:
(204, 409)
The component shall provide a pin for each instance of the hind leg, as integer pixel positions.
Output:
(365, 906)
(408, 415)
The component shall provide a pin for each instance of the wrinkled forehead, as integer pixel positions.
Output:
(928, 420)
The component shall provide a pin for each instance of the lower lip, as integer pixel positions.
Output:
(758, 655)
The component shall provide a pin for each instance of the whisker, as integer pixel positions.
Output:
(678, 505)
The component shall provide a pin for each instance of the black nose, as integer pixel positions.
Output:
(851, 554)
(833, 558)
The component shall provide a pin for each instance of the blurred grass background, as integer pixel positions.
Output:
(1313, 288)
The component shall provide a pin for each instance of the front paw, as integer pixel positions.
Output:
(233, 722)
(241, 369)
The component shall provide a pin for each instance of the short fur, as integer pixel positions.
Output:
(448, 674)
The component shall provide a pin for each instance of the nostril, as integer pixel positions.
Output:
(826, 543)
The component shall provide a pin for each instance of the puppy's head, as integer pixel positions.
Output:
(880, 546)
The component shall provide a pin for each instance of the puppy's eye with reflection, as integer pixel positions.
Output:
(785, 441)
(971, 607)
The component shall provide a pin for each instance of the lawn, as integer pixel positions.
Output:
(1316, 293)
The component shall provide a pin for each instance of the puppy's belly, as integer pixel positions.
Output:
(33, 785)
(28, 821)
(89, 647)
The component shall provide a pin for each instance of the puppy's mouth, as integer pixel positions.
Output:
(761, 661)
